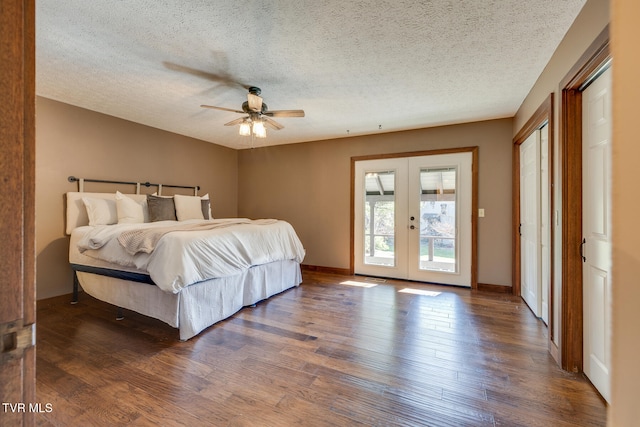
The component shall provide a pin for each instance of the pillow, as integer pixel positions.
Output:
(205, 204)
(100, 211)
(161, 208)
(188, 207)
(129, 210)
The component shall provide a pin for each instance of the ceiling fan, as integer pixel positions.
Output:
(258, 115)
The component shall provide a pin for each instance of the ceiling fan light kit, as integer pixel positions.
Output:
(258, 129)
(258, 115)
(245, 128)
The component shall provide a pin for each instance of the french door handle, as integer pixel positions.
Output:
(584, 241)
(413, 227)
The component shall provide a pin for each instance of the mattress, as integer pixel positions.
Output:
(181, 258)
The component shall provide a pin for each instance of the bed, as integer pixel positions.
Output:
(190, 271)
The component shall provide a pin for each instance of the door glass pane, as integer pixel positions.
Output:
(379, 219)
(438, 219)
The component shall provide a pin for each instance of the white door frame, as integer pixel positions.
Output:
(474, 200)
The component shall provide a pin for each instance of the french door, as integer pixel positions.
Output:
(413, 218)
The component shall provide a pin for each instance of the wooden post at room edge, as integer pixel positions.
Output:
(17, 213)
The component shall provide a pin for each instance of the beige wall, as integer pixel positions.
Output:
(308, 184)
(624, 410)
(75, 141)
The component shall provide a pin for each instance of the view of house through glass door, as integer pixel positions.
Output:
(437, 220)
(413, 218)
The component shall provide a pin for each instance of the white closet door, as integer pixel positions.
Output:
(545, 226)
(530, 222)
(596, 231)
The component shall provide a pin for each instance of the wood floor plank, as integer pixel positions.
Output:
(323, 354)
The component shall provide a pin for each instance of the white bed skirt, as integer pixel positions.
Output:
(200, 305)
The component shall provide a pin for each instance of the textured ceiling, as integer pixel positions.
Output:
(355, 67)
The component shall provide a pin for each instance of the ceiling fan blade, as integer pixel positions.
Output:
(284, 113)
(222, 108)
(236, 121)
(254, 102)
(221, 77)
(272, 123)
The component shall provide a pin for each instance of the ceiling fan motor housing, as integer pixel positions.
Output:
(246, 109)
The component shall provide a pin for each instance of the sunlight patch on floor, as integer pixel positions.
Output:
(359, 284)
(420, 292)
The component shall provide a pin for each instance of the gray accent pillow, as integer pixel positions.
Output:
(161, 208)
(206, 204)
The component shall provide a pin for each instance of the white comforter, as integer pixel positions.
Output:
(181, 258)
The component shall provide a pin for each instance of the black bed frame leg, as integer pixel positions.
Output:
(119, 314)
(74, 298)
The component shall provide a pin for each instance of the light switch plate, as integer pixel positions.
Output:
(480, 213)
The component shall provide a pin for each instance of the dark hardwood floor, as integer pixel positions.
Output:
(324, 354)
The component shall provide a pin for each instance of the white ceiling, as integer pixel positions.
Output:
(355, 67)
